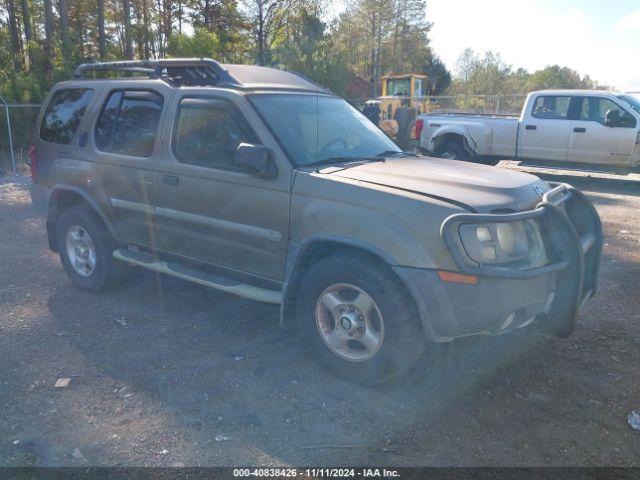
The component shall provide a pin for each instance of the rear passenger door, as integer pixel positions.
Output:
(546, 129)
(118, 155)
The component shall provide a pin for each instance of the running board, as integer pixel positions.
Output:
(146, 260)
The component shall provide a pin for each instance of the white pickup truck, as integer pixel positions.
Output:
(585, 126)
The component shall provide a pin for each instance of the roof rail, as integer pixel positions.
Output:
(184, 71)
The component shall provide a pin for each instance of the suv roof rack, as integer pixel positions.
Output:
(182, 71)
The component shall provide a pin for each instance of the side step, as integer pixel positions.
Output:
(149, 262)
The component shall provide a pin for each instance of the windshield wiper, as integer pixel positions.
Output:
(337, 160)
(353, 161)
(396, 153)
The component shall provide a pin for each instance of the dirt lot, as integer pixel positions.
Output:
(167, 373)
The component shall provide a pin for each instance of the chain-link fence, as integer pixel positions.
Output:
(17, 121)
(481, 104)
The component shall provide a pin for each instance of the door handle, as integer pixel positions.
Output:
(170, 180)
(579, 129)
(82, 142)
(530, 127)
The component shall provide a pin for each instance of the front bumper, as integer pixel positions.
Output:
(506, 298)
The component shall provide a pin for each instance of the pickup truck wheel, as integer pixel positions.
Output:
(453, 151)
(86, 248)
(359, 319)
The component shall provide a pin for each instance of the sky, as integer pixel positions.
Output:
(600, 38)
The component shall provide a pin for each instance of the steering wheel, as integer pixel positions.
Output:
(327, 146)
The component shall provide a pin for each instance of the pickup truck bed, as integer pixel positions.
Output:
(487, 135)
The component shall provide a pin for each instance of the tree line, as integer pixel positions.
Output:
(488, 74)
(46, 39)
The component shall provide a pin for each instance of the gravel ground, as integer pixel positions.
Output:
(167, 373)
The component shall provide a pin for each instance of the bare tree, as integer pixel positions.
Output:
(48, 36)
(63, 10)
(379, 14)
(28, 31)
(14, 35)
(268, 18)
(78, 19)
(167, 18)
(102, 40)
(126, 13)
(145, 27)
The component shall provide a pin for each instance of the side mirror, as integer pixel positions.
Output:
(257, 160)
(612, 118)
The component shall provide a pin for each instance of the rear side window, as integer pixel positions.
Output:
(129, 122)
(63, 115)
(208, 133)
(551, 107)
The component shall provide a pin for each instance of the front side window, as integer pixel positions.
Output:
(316, 128)
(551, 107)
(129, 122)
(208, 133)
(594, 109)
(63, 115)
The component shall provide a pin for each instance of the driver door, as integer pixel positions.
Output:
(207, 208)
(593, 142)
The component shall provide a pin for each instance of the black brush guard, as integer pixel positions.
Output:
(572, 232)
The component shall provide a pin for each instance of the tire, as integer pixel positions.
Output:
(406, 117)
(392, 316)
(95, 269)
(452, 150)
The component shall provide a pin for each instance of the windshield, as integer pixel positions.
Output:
(317, 128)
(631, 100)
(399, 87)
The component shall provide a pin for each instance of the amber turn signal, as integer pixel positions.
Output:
(457, 277)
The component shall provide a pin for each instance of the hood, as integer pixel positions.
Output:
(480, 187)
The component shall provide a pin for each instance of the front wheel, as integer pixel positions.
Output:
(359, 319)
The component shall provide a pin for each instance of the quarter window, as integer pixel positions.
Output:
(208, 133)
(63, 115)
(129, 122)
(551, 107)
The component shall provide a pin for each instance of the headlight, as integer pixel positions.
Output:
(512, 238)
(507, 242)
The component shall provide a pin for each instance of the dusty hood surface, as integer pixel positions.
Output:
(481, 187)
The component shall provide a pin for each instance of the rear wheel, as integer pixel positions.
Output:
(453, 151)
(86, 247)
(359, 319)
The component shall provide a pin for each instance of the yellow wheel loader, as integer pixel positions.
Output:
(403, 98)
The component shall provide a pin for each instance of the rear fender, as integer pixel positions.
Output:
(447, 131)
(59, 201)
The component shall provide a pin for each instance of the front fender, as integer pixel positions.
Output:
(368, 228)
